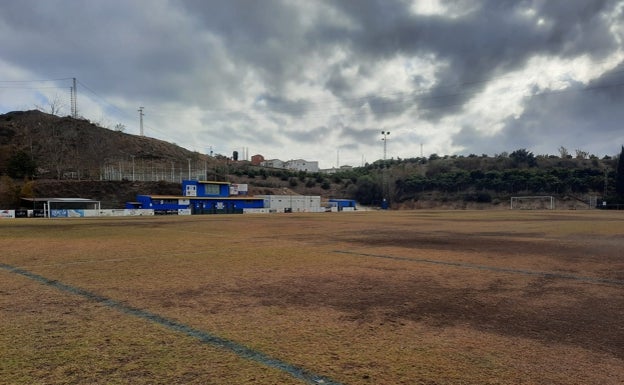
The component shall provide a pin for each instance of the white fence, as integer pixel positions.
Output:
(7, 213)
(73, 213)
(533, 202)
(77, 213)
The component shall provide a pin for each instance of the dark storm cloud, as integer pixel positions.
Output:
(355, 136)
(337, 83)
(310, 63)
(493, 38)
(308, 136)
(145, 50)
(386, 107)
(281, 105)
(264, 36)
(580, 117)
(135, 43)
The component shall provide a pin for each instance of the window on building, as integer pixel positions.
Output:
(212, 189)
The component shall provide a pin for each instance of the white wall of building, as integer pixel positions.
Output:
(295, 164)
(275, 163)
(296, 203)
(302, 165)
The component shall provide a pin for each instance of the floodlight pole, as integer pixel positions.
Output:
(384, 187)
(385, 141)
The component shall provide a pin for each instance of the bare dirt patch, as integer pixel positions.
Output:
(362, 298)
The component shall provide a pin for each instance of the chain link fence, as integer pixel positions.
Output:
(147, 171)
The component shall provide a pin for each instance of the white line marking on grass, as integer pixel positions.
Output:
(205, 337)
(464, 265)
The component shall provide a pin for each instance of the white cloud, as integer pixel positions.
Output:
(291, 79)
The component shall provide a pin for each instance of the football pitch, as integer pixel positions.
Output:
(407, 297)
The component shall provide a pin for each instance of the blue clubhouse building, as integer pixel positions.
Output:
(198, 197)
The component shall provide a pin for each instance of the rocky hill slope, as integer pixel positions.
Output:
(65, 147)
(43, 155)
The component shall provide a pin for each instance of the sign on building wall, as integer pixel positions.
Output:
(7, 213)
(191, 190)
(239, 189)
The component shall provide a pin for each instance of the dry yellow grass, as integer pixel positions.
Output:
(414, 297)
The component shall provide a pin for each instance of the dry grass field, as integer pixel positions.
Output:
(410, 297)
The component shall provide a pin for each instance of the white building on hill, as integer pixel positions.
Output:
(275, 163)
(295, 164)
(302, 165)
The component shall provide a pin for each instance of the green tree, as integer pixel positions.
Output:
(27, 190)
(523, 157)
(21, 165)
(9, 193)
(368, 191)
(619, 175)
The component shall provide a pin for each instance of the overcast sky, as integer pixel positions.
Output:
(320, 80)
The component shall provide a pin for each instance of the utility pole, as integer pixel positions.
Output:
(132, 167)
(73, 100)
(141, 119)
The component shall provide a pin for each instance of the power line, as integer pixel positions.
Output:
(380, 99)
(104, 101)
(34, 80)
(413, 100)
(31, 88)
(323, 108)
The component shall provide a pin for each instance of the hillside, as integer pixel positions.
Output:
(64, 147)
(49, 156)
(64, 157)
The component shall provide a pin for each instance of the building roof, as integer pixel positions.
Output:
(61, 200)
(213, 198)
(62, 203)
(210, 182)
